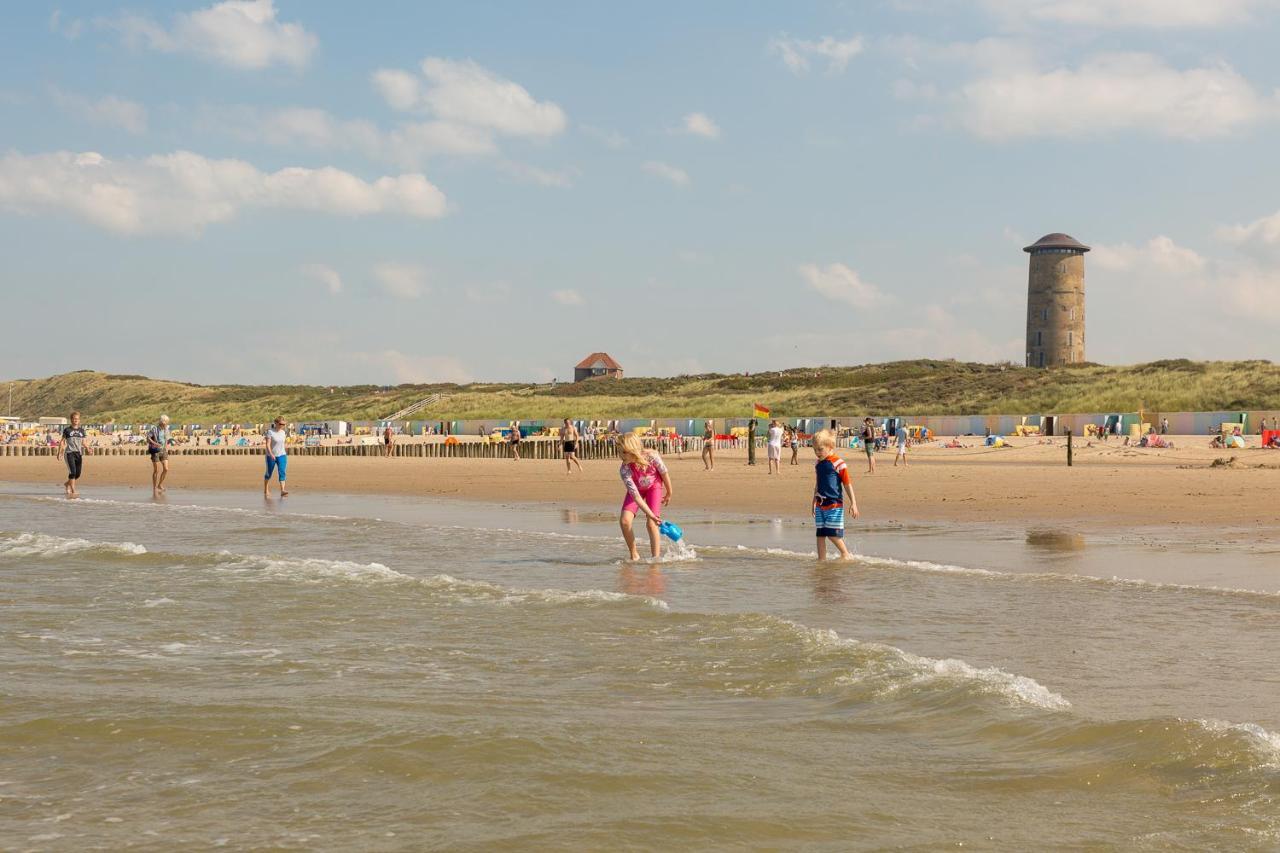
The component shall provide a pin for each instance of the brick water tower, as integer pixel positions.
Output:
(1055, 301)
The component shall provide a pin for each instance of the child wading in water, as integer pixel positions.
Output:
(829, 495)
(648, 490)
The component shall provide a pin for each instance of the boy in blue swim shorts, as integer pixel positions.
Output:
(829, 495)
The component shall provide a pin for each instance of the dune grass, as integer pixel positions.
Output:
(906, 387)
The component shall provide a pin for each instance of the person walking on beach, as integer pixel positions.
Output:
(158, 450)
(903, 438)
(277, 457)
(709, 445)
(793, 439)
(751, 442)
(1164, 426)
(72, 450)
(829, 492)
(869, 444)
(648, 490)
(514, 438)
(388, 442)
(775, 447)
(571, 438)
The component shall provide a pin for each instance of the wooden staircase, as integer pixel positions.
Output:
(424, 403)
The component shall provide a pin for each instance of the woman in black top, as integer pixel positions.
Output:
(869, 444)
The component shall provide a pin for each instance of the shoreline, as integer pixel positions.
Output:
(1108, 489)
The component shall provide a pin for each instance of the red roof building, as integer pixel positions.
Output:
(597, 364)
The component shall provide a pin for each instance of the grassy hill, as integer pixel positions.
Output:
(906, 387)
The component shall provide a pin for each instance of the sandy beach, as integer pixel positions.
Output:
(1109, 486)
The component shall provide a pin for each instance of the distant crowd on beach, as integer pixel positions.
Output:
(645, 476)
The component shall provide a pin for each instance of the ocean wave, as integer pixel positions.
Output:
(1056, 577)
(44, 545)
(474, 590)
(889, 670)
(875, 561)
(1265, 743)
(457, 590)
(309, 569)
(166, 506)
(1017, 688)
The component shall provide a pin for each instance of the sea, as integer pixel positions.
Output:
(331, 672)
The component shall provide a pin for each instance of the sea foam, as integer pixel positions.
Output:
(44, 545)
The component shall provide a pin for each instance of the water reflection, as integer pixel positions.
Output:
(1055, 540)
(642, 580)
(828, 582)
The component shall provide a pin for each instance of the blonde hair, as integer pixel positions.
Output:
(631, 449)
(824, 438)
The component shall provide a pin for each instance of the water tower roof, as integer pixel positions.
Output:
(1056, 241)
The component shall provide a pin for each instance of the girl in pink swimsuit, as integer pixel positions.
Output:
(648, 490)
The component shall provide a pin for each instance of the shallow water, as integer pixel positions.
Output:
(338, 672)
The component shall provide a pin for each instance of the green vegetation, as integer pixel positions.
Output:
(905, 387)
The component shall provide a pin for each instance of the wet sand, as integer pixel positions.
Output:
(1109, 487)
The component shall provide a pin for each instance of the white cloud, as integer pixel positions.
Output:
(416, 369)
(667, 172)
(468, 106)
(699, 124)
(1127, 14)
(1251, 292)
(568, 297)
(182, 192)
(1110, 93)
(1228, 289)
(1160, 254)
(325, 275)
(400, 89)
(1261, 235)
(109, 110)
(466, 93)
(408, 146)
(943, 335)
(994, 53)
(403, 281)
(237, 33)
(839, 283)
(796, 54)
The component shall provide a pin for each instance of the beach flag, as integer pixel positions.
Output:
(760, 411)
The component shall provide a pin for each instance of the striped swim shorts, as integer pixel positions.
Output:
(829, 520)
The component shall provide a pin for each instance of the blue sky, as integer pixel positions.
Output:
(279, 192)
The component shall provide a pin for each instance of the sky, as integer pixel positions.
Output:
(323, 192)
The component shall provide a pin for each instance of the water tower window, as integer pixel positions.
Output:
(1071, 337)
(1044, 314)
(1073, 315)
(1040, 340)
